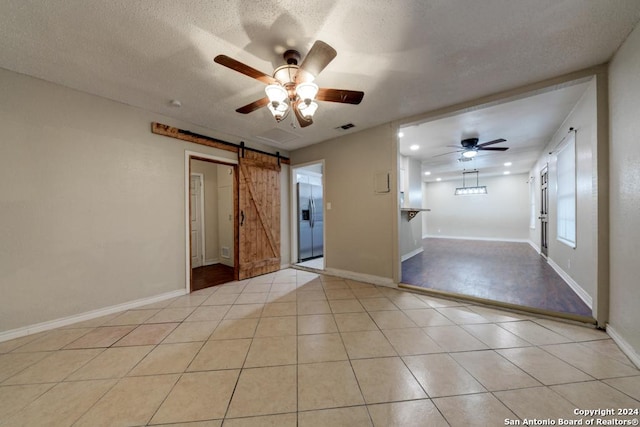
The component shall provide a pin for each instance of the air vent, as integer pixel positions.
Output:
(345, 127)
(225, 252)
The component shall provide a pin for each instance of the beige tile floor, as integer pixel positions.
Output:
(294, 348)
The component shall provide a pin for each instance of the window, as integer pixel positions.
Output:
(566, 186)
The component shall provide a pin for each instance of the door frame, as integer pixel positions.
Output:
(202, 221)
(293, 202)
(188, 155)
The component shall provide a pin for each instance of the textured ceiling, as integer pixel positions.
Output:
(409, 57)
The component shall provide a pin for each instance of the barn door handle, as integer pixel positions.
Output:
(241, 218)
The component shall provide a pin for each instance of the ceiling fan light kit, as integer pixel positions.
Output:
(307, 109)
(292, 87)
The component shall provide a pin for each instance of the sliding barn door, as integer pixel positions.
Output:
(259, 203)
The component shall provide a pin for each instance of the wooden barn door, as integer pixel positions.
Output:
(259, 205)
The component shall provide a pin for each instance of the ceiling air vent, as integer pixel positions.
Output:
(345, 127)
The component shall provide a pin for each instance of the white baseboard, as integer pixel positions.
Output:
(64, 321)
(534, 246)
(284, 266)
(488, 239)
(412, 254)
(626, 348)
(424, 236)
(584, 296)
(211, 261)
(361, 277)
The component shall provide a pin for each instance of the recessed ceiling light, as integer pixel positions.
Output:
(175, 103)
(438, 179)
(427, 173)
(414, 147)
(400, 134)
(508, 164)
(507, 172)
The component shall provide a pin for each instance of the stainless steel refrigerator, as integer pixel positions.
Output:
(310, 222)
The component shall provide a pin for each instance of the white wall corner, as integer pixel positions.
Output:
(211, 261)
(584, 296)
(65, 321)
(412, 254)
(361, 277)
(284, 266)
(626, 348)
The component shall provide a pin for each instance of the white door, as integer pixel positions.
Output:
(195, 190)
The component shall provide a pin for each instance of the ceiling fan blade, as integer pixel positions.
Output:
(450, 152)
(493, 148)
(244, 69)
(495, 141)
(320, 55)
(303, 122)
(253, 106)
(340, 95)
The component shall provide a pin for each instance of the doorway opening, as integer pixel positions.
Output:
(308, 226)
(211, 208)
(487, 245)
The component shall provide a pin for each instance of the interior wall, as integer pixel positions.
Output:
(285, 216)
(578, 262)
(501, 214)
(411, 230)
(209, 172)
(624, 87)
(91, 202)
(224, 175)
(309, 177)
(358, 231)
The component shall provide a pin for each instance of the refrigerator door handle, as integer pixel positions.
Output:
(312, 212)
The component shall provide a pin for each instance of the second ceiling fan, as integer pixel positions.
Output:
(470, 147)
(291, 87)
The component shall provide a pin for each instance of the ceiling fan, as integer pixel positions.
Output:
(470, 147)
(291, 87)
